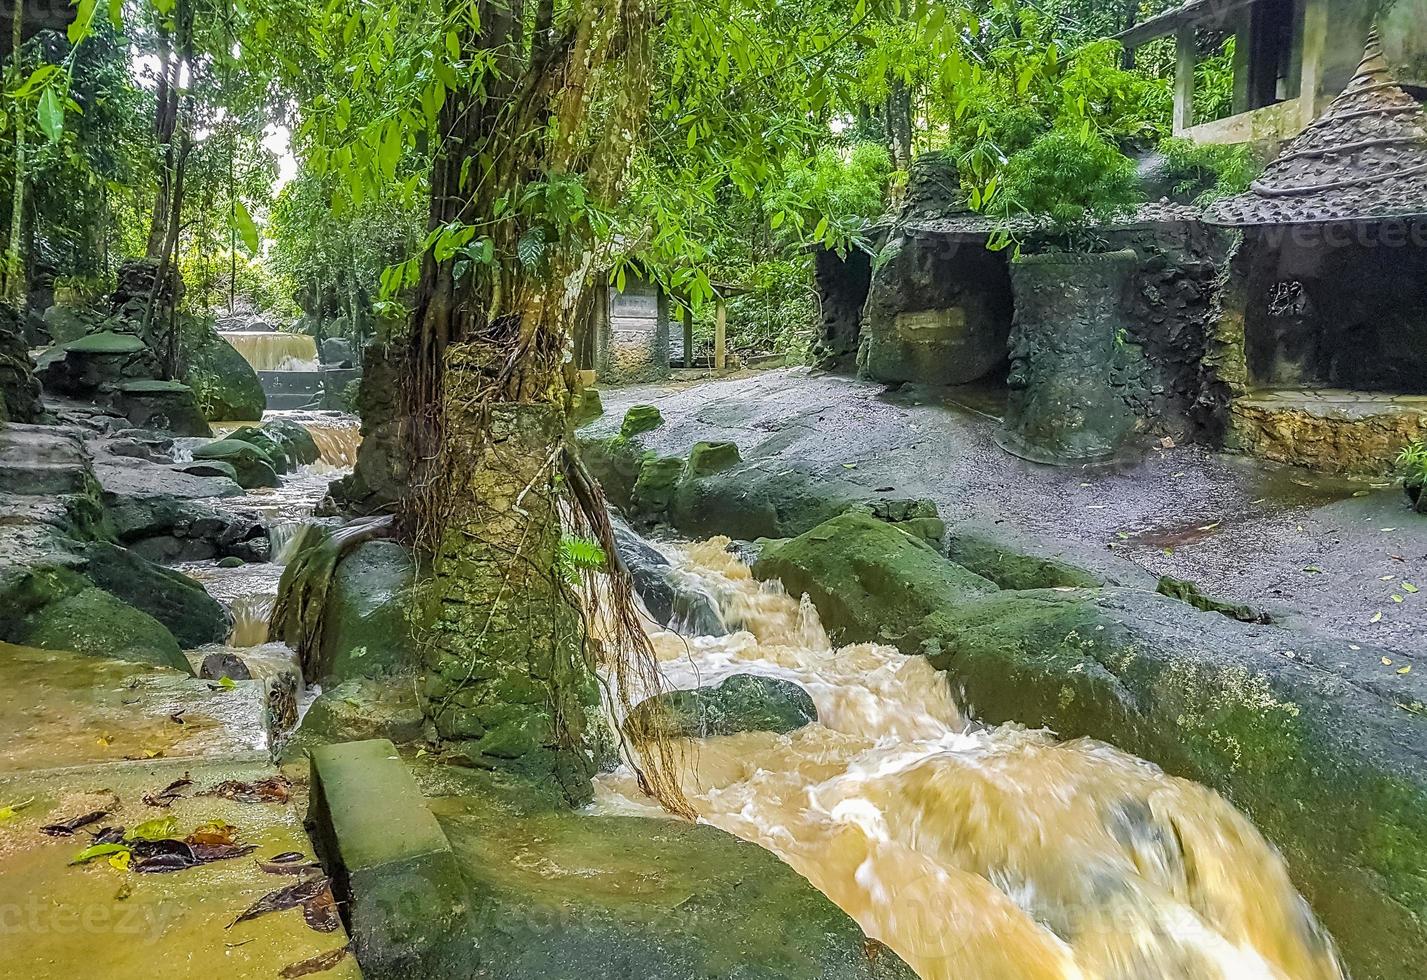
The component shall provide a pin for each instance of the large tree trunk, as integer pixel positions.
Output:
(511, 665)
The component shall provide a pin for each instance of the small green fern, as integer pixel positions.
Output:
(1412, 464)
(579, 555)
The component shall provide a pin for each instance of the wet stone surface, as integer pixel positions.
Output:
(1328, 552)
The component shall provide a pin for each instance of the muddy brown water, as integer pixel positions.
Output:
(975, 853)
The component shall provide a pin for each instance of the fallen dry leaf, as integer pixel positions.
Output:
(316, 964)
(284, 898)
(66, 828)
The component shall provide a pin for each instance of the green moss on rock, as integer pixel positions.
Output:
(740, 703)
(706, 458)
(640, 419)
(252, 465)
(96, 624)
(227, 387)
(870, 580)
(1012, 569)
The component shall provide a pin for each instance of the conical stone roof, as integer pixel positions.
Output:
(1364, 159)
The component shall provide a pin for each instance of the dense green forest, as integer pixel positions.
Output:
(707, 145)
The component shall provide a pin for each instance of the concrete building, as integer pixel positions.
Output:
(1291, 58)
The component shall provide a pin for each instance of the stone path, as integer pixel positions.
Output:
(1325, 552)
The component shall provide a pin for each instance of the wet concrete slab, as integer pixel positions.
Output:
(1328, 552)
(88, 734)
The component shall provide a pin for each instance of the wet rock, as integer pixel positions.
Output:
(217, 666)
(182, 605)
(169, 405)
(368, 631)
(740, 703)
(295, 441)
(232, 561)
(66, 323)
(360, 709)
(228, 388)
(252, 465)
(43, 460)
(209, 467)
(668, 600)
(273, 449)
(169, 515)
(640, 419)
(1013, 569)
(94, 623)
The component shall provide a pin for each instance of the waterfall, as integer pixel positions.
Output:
(271, 351)
(975, 853)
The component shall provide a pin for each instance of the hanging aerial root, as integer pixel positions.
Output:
(628, 655)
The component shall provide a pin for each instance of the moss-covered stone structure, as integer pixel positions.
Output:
(1325, 314)
(1289, 323)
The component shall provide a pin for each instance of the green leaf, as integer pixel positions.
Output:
(97, 851)
(244, 225)
(159, 828)
(37, 78)
(51, 115)
(8, 812)
(83, 22)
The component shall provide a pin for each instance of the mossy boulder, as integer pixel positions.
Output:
(273, 449)
(227, 387)
(706, 458)
(1013, 569)
(368, 612)
(295, 440)
(740, 703)
(869, 579)
(1186, 591)
(253, 466)
(178, 602)
(166, 405)
(94, 623)
(656, 486)
(640, 419)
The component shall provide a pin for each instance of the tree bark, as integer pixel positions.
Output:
(14, 272)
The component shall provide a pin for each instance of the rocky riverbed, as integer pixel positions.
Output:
(1328, 552)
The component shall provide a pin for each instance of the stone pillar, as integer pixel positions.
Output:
(507, 680)
(1067, 351)
(1186, 57)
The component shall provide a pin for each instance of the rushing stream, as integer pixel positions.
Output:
(975, 853)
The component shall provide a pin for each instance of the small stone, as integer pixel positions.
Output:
(217, 666)
(232, 561)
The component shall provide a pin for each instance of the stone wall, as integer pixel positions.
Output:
(632, 334)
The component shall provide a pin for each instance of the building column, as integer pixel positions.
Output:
(1311, 96)
(1186, 59)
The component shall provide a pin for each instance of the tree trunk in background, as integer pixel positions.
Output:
(175, 51)
(14, 271)
(899, 123)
